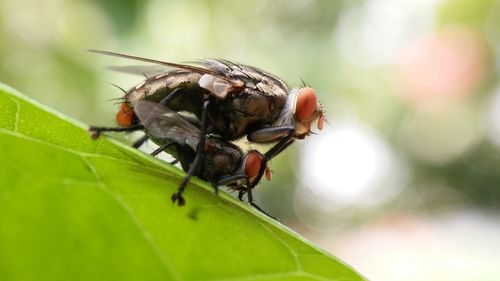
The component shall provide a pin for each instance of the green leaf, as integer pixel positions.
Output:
(76, 209)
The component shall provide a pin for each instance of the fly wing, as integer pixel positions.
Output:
(142, 70)
(196, 69)
(166, 124)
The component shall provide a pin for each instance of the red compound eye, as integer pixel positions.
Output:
(252, 164)
(306, 104)
(125, 117)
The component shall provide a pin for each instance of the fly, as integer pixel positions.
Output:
(220, 163)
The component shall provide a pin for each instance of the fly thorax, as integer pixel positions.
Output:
(286, 117)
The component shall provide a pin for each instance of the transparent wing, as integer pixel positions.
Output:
(141, 70)
(166, 124)
(191, 68)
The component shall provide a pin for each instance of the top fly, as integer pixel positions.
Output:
(243, 100)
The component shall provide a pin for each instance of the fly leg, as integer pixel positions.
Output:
(95, 132)
(177, 196)
(252, 203)
(138, 143)
(232, 179)
(227, 180)
(166, 100)
(216, 188)
(240, 195)
(272, 134)
(161, 148)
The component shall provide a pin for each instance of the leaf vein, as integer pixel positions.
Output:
(292, 251)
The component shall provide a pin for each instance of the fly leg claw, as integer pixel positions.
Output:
(177, 197)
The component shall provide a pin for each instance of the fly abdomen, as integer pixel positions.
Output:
(157, 88)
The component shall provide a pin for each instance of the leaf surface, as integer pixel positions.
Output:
(72, 208)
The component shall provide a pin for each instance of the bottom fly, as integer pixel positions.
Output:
(221, 162)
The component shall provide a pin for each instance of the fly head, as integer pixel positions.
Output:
(306, 110)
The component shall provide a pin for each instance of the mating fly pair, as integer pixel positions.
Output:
(225, 102)
(221, 162)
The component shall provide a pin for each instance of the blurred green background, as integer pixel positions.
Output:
(403, 183)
